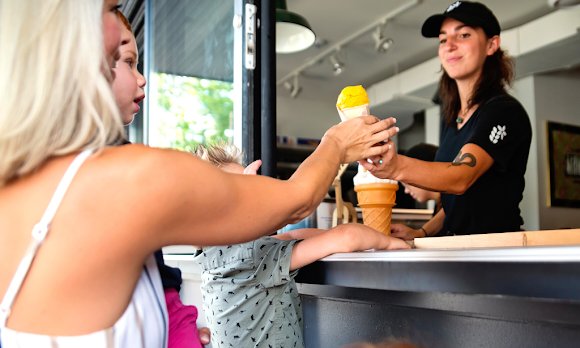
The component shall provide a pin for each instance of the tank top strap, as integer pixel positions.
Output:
(39, 232)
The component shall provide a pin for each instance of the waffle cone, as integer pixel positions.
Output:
(377, 201)
(378, 218)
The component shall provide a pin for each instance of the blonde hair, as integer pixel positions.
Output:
(56, 99)
(219, 154)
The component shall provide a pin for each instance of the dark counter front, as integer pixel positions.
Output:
(501, 297)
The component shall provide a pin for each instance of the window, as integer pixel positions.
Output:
(190, 72)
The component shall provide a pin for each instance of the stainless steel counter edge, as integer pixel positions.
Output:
(513, 254)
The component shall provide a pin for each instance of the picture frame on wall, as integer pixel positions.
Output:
(564, 164)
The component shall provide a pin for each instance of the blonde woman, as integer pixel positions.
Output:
(79, 220)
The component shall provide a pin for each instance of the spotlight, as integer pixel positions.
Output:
(297, 89)
(288, 86)
(337, 66)
(294, 88)
(382, 43)
(562, 3)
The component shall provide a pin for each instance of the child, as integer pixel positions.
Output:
(249, 294)
(128, 90)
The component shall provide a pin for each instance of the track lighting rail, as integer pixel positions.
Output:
(340, 44)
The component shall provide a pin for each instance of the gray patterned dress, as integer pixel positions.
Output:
(249, 295)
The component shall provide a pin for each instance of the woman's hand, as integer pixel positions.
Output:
(405, 232)
(362, 137)
(396, 244)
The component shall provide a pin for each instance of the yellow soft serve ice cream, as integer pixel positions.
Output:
(353, 101)
(351, 96)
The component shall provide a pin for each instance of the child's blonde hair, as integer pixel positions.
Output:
(219, 154)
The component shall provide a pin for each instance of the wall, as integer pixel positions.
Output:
(523, 90)
(313, 111)
(304, 117)
(413, 134)
(556, 99)
(307, 118)
(432, 124)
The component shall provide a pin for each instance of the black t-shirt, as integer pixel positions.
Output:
(170, 276)
(501, 127)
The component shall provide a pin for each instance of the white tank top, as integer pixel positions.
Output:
(144, 323)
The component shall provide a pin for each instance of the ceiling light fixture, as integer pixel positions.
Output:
(382, 43)
(315, 60)
(563, 3)
(293, 32)
(337, 65)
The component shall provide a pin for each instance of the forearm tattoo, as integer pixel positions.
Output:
(467, 159)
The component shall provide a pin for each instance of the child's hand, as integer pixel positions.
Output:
(360, 237)
(346, 238)
(397, 243)
(204, 335)
(252, 168)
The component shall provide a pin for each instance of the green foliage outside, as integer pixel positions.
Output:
(201, 111)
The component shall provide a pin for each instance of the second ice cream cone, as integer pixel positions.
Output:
(376, 201)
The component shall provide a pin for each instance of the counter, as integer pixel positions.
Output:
(495, 297)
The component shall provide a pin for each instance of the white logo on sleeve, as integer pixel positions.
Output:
(497, 133)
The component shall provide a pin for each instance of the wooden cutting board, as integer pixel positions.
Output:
(507, 239)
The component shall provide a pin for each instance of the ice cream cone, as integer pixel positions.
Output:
(348, 113)
(376, 201)
(376, 197)
(352, 102)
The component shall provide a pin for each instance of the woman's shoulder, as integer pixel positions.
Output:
(140, 154)
(149, 162)
(503, 100)
(144, 175)
(505, 105)
(507, 112)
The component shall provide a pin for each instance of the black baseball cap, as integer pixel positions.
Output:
(474, 14)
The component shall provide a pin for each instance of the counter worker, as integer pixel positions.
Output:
(485, 132)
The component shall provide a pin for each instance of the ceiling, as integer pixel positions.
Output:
(183, 28)
(334, 21)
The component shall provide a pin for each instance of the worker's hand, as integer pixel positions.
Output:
(405, 232)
